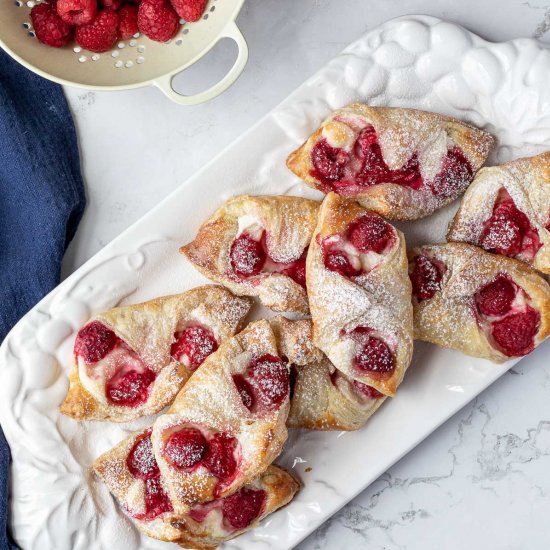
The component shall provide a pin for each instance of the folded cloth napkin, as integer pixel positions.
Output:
(41, 202)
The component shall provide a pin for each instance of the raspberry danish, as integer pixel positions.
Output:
(479, 303)
(228, 422)
(506, 211)
(257, 246)
(402, 163)
(131, 361)
(321, 397)
(360, 295)
(131, 473)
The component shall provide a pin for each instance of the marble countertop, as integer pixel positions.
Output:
(481, 480)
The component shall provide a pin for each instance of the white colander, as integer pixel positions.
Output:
(131, 63)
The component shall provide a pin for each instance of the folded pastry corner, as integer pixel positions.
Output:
(401, 163)
(131, 361)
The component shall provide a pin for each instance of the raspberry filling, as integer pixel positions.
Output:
(243, 507)
(508, 231)
(249, 257)
(372, 356)
(94, 341)
(193, 346)
(367, 234)
(426, 277)
(513, 324)
(129, 388)
(496, 298)
(349, 173)
(515, 333)
(142, 464)
(141, 460)
(366, 390)
(245, 391)
(185, 448)
(455, 174)
(188, 448)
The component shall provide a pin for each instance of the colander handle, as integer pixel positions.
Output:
(230, 31)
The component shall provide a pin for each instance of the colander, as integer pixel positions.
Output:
(131, 63)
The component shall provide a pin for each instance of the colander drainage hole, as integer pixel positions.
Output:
(119, 64)
(96, 57)
(140, 60)
(18, 3)
(132, 43)
(115, 54)
(129, 64)
(141, 49)
(213, 8)
(26, 25)
(185, 31)
(83, 59)
(205, 16)
(179, 42)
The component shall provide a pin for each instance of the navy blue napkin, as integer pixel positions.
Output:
(41, 202)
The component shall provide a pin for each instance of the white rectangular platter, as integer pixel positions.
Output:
(417, 62)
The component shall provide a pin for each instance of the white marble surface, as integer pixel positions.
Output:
(481, 480)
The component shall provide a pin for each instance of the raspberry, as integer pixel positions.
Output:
(370, 232)
(185, 448)
(373, 355)
(366, 390)
(141, 461)
(101, 34)
(515, 333)
(77, 12)
(190, 10)
(50, 29)
(156, 500)
(455, 175)
(245, 391)
(328, 162)
(426, 278)
(247, 256)
(297, 270)
(129, 388)
(270, 377)
(242, 508)
(157, 20)
(111, 4)
(94, 341)
(337, 260)
(193, 346)
(220, 456)
(127, 24)
(496, 298)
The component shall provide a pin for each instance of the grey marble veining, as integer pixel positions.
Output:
(481, 480)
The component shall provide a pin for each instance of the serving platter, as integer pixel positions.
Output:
(417, 61)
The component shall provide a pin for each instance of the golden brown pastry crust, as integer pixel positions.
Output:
(379, 299)
(149, 329)
(211, 399)
(401, 133)
(448, 319)
(527, 180)
(289, 222)
(112, 468)
(323, 398)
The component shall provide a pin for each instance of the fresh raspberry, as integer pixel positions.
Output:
(77, 12)
(185, 448)
(190, 10)
(127, 21)
(157, 20)
(111, 4)
(49, 28)
(247, 255)
(94, 341)
(243, 507)
(101, 34)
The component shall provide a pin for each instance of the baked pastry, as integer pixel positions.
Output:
(321, 397)
(131, 361)
(131, 473)
(228, 422)
(401, 163)
(506, 211)
(479, 303)
(257, 246)
(360, 295)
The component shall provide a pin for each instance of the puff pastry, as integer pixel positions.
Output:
(131, 361)
(321, 397)
(401, 163)
(256, 246)
(360, 295)
(506, 211)
(479, 303)
(228, 422)
(131, 473)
